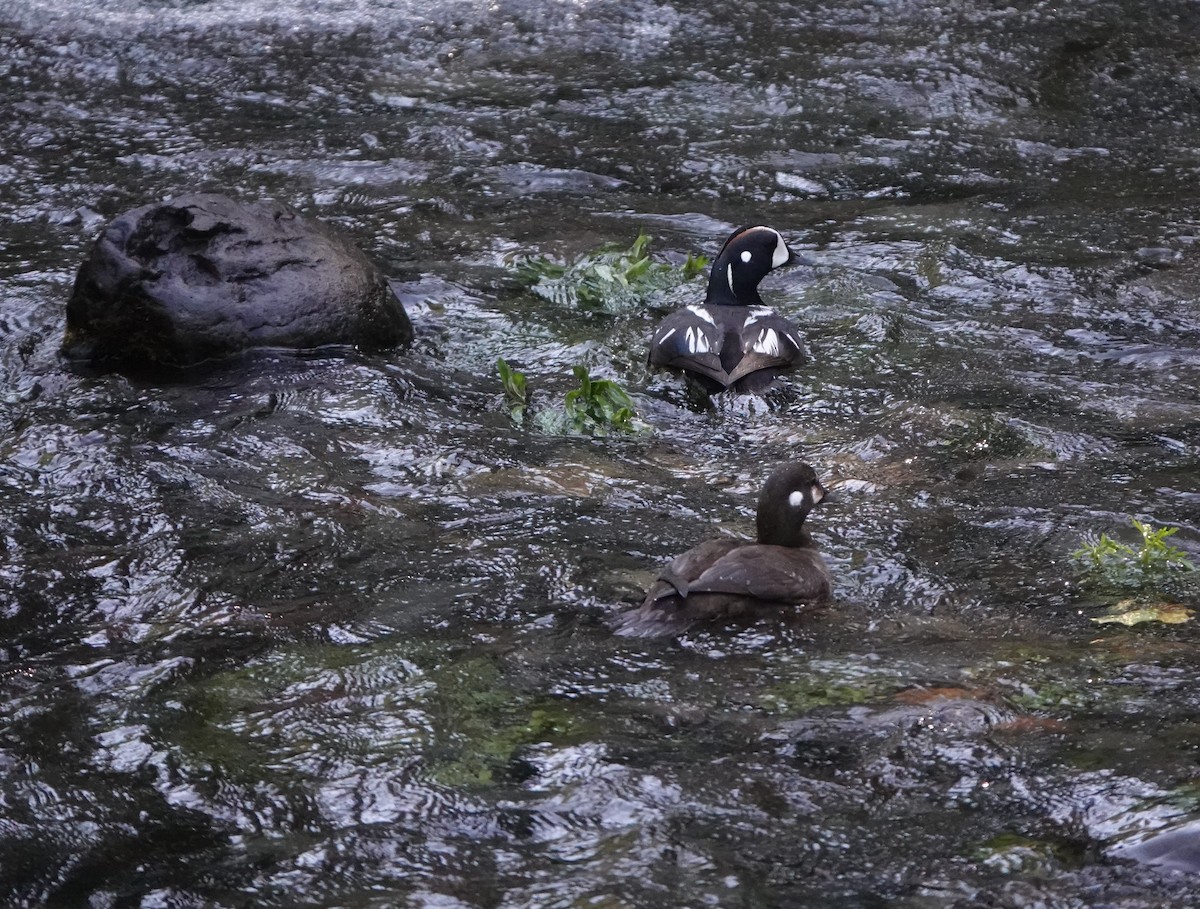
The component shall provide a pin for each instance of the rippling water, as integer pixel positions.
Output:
(331, 630)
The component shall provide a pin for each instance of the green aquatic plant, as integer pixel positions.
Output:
(1118, 564)
(516, 390)
(610, 278)
(597, 406)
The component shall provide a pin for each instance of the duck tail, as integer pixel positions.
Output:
(653, 620)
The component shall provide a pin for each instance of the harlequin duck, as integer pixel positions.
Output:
(732, 340)
(729, 578)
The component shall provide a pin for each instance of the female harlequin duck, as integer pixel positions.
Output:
(733, 340)
(728, 578)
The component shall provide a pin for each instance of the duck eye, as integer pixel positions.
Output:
(747, 255)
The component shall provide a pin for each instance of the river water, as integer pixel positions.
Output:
(333, 630)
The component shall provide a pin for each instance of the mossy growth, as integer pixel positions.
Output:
(609, 279)
(1013, 853)
(1049, 696)
(988, 437)
(825, 684)
(799, 697)
(481, 724)
(265, 714)
(281, 719)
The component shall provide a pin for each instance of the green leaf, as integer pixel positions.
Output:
(694, 266)
(598, 404)
(516, 392)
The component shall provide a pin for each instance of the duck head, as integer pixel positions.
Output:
(745, 259)
(789, 494)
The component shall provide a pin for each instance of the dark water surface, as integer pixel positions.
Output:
(331, 630)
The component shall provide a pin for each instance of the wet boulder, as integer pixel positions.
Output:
(202, 277)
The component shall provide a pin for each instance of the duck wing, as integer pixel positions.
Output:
(779, 574)
(769, 341)
(689, 339)
(676, 579)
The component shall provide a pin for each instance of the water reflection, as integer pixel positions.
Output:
(332, 629)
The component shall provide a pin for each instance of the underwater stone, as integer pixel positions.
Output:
(203, 277)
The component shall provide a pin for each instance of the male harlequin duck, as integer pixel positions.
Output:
(732, 340)
(729, 578)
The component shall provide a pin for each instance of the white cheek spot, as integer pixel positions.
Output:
(747, 255)
(781, 254)
(796, 499)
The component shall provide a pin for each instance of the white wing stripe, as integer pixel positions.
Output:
(767, 343)
(702, 314)
(697, 341)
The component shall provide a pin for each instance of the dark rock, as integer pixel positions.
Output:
(203, 277)
(1158, 256)
(1176, 847)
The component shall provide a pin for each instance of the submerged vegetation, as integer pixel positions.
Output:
(1130, 612)
(1146, 569)
(987, 437)
(595, 407)
(609, 279)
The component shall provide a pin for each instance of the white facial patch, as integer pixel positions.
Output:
(796, 499)
(781, 254)
(767, 343)
(747, 255)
